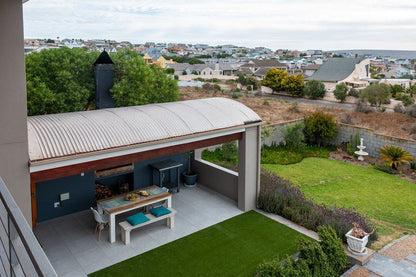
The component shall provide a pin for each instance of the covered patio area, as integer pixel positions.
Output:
(73, 250)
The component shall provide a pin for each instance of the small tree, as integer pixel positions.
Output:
(376, 94)
(319, 127)
(294, 85)
(274, 78)
(315, 89)
(341, 91)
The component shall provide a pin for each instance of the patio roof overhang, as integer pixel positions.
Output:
(84, 141)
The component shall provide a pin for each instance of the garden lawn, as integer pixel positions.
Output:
(234, 247)
(376, 194)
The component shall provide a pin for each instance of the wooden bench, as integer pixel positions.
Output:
(126, 227)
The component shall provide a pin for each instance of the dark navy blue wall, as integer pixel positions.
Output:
(143, 172)
(82, 188)
(81, 192)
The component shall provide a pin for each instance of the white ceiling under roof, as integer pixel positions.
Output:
(68, 134)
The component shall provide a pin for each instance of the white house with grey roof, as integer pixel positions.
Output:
(202, 69)
(352, 71)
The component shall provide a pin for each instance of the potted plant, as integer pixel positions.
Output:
(189, 177)
(357, 239)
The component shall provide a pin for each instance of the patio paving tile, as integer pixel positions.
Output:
(73, 249)
(411, 257)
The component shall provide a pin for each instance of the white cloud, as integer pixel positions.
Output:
(298, 24)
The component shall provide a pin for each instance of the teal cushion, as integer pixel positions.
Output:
(159, 211)
(137, 219)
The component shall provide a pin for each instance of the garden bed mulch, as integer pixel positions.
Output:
(403, 171)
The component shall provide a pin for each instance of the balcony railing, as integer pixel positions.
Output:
(20, 252)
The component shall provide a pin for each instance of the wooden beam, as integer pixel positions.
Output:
(55, 173)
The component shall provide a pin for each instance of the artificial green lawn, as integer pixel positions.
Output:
(374, 193)
(234, 247)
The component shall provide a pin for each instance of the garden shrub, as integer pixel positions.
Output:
(281, 197)
(411, 110)
(332, 246)
(217, 87)
(208, 86)
(319, 127)
(399, 108)
(354, 92)
(230, 152)
(376, 94)
(326, 258)
(312, 253)
(225, 156)
(384, 168)
(347, 118)
(315, 89)
(235, 95)
(341, 91)
(406, 99)
(294, 107)
(293, 136)
(362, 106)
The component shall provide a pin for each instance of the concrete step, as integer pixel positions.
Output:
(387, 267)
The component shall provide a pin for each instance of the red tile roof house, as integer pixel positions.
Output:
(51, 149)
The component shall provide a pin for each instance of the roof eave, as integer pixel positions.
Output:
(140, 145)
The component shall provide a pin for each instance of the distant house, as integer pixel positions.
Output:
(254, 65)
(162, 62)
(309, 70)
(355, 72)
(260, 67)
(202, 69)
(397, 72)
(179, 68)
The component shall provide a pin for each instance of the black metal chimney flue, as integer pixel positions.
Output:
(104, 81)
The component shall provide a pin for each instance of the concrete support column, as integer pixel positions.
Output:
(13, 123)
(249, 168)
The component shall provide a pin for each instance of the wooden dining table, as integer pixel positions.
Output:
(117, 204)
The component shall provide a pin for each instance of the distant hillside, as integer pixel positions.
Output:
(397, 54)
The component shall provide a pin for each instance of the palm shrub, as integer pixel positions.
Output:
(319, 127)
(395, 156)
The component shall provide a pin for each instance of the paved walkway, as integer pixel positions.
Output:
(397, 259)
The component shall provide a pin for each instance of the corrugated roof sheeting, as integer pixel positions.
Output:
(57, 135)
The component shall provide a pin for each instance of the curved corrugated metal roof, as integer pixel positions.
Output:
(58, 135)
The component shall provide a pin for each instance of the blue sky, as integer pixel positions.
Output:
(293, 24)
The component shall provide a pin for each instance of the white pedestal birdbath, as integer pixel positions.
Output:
(361, 153)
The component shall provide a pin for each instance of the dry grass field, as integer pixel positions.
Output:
(275, 111)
